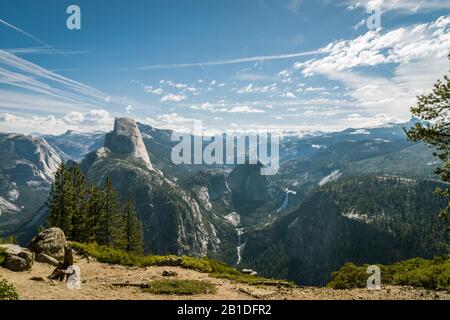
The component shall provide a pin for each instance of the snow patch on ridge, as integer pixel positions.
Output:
(336, 174)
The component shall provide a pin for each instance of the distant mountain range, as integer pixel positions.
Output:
(362, 195)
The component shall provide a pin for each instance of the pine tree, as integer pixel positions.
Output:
(93, 211)
(60, 213)
(90, 213)
(107, 224)
(130, 237)
(435, 108)
(77, 203)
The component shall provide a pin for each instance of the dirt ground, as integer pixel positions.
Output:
(110, 282)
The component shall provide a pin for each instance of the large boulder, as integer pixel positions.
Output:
(16, 257)
(43, 258)
(50, 242)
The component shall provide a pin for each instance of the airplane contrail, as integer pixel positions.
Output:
(231, 61)
(29, 35)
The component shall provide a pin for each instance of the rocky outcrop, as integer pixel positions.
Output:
(126, 140)
(49, 243)
(218, 187)
(249, 188)
(27, 168)
(16, 257)
(27, 165)
(43, 258)
(32, 153)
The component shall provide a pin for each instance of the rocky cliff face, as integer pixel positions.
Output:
(26, 164)
(126, 140)
(27, 168)
(173, 220)
(249, 188)
(21, 151)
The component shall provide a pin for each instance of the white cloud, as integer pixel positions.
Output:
(21, 102)
(129, 109)
(157, 91)
(289, 95)
(191, 89)
(205, 106)
(417, 54)
(252, 88)
(284, 73)
(404, 6)
(180, 85)
(312, 89)
(89, 121)
(355, 120)
(247, 89)
(359, 24)
(172, 121)
(422, 41)
(250, 76)
(242, 109)
(173, 97)
(294, 6)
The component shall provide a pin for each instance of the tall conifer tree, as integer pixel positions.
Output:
(130, 236)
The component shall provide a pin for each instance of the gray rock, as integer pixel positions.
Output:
(126, 139)
(17, 258)
(91, 259)
(44, 258)
(50, 242)
(250, 272)
(246, 271)
(168, 273)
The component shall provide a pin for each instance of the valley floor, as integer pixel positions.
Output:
(110, 282)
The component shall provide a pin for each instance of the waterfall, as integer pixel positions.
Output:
(240, 245)
(286, 199)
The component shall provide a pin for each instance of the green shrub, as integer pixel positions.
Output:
(214, 268)
(201, 265)
(9, 240)
(2, 256)
(7, 291)
(224, 271)
(348, 277)
(417, 272)
(180, 287)
(107, 254)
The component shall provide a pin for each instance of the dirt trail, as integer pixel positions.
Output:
(98, 281)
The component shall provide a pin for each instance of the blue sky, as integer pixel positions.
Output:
(289, 65)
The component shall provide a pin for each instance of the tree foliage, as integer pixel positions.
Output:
(89, 213)
(434, 109)
(417, 272)
(130, 236)
(7, 291)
